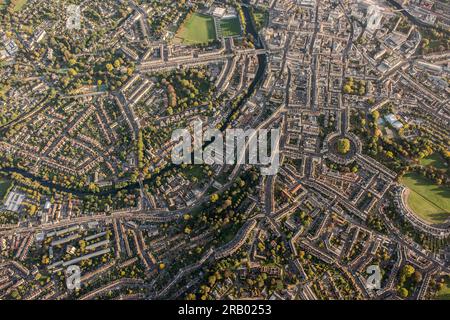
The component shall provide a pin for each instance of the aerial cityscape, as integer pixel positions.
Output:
(224, 150)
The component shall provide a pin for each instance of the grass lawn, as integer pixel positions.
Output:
(195, 171)
(230, 27)
(444, 293)
(18, 4)
(261, 18)
(197, 29)
(434, 160)
(429, 201)
(4, 186)
(4, 90)
(229, 232)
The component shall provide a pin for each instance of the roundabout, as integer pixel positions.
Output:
(342, 148)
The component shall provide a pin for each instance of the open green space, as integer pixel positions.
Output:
(261, 17)
(18, 4)
(197, 29)
(428, 200)
(434, 160)
(195, 172)
(230, 27)
(4, 186)
(444, 293)
(3, 91)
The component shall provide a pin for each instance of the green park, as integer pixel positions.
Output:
(426, 199)
(230, 27)
(197, 29)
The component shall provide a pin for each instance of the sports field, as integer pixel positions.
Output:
(197, 29)
(230, 27)
(434, 160)
(429, 201)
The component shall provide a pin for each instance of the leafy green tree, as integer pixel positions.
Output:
(214, 197)
(343, 146)
(408, 271)
(403, 292)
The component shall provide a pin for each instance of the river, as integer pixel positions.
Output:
(262, 65)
